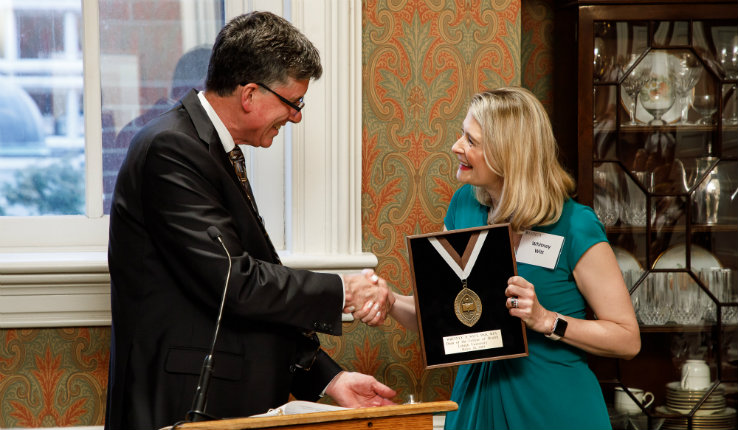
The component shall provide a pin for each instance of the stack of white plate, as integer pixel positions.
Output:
(712, 414)
(682, 400)
(721, 420)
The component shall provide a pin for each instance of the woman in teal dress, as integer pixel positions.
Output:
(508, 162)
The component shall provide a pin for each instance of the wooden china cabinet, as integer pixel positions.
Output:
(646, 116)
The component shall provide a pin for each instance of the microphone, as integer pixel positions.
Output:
(198, 404)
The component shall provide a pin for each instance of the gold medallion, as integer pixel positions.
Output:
(468, 306)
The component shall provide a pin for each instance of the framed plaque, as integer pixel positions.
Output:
(459, 281)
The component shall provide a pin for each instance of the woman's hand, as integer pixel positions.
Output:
(523, 303)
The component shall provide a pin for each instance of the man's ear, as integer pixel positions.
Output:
(247, 96)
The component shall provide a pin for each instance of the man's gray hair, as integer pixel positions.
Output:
(260, 47)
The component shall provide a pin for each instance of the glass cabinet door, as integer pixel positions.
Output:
(665, 164)
(665, 186)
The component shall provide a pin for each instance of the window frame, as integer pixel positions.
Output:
(53, 269)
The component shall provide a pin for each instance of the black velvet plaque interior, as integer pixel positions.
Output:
(436, 287)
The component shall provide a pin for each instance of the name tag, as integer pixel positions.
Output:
(539, 249)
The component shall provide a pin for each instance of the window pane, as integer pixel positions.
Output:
(151, 54)
(41, 123)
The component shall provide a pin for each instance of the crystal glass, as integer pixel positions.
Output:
(657, 300)
(689, 308)
(633, 81)
(598, 71)
(658, 96)
(707, 194)
(726, 45)
(606, 205)
(634, 201)
(600, 62)
(686, 71)
(706, 106)
(722, 284)
(711, 279)
(728, 293)
(727, 56)
(730, 104)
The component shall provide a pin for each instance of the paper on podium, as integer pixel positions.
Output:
(299, 407)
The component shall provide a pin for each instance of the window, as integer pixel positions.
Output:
(42, 132)
(53, 267)
(139, 79)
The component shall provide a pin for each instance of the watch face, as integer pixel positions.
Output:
(560, 328)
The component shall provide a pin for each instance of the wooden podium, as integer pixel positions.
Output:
(411, 416)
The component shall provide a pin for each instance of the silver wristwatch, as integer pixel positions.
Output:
(559, 328)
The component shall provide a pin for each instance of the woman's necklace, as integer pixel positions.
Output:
(468, 305)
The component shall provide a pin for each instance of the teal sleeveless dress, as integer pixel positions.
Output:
(552, 388)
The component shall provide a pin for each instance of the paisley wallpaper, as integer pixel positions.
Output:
(422, 60)
(53, 377)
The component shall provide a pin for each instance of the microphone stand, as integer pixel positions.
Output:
(197, 413)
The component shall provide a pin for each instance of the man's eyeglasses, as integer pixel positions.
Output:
(296, 106)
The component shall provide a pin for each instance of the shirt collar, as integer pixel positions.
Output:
(220, 128)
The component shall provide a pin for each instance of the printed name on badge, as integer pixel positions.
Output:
(539, 249)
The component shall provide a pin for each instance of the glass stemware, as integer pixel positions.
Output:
(600, 60)
(686, 72)
(634, 81)
(729, 293)
(705, 100)
(730, 104)
(606, 205)
(635, 202)
(599, 67)
(727, 56)
(657, 97)
(706, 106)
(658, 301)
(657, 94)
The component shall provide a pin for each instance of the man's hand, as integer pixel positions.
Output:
(368, 297)
(356, 390)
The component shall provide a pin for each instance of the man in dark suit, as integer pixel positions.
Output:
(178, 179)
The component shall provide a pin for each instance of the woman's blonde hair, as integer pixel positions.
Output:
(519, 146)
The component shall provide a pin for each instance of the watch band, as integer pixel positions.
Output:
(558, 329)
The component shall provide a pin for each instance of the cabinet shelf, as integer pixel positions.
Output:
(643, 128)
(696, 228)
(608, 127)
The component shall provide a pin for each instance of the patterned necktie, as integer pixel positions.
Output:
(239, 166)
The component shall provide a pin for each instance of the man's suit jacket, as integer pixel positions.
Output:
(167, 278)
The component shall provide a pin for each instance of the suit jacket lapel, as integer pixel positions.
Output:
(207, 133)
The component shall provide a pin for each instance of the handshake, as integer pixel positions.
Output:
(368, 298)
